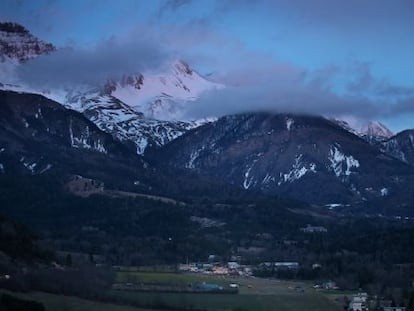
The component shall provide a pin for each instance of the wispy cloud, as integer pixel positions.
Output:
(286, 88)
(330, 57)
(172, 5)
(109, 59)
(365, 83)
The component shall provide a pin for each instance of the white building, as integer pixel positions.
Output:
(313, 229)
(359, 302)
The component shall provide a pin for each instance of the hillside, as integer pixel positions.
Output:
(304, 157)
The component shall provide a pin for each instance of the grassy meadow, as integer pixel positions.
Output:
(255, 294)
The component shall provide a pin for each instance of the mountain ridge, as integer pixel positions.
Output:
(305, 157)
(136, 109)
(301, 156)
(371, 131)
(17, 43)
(41, 136)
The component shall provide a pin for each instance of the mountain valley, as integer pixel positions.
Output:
(157, 163)
(310, 158)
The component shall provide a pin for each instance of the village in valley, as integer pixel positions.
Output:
(217, 277)
(237, 276)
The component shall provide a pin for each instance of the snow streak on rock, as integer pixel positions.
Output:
(289, 123)
(299, 169)
(341, 164)
(85, 141)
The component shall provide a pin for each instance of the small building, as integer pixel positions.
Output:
(233, 265)
(359, 302)
(286, 265)
(393, 308)
(313, 229)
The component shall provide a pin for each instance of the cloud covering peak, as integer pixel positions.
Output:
(324, 56)
(108, 59)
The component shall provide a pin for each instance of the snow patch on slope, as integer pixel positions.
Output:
(48, 167)
(299, 169)
(84, 140)
(268, 179)
(193, 156)
(340, 163)
(384, 192)
(248, 178)
(289, 123)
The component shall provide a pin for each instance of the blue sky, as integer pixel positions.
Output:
(357, 53)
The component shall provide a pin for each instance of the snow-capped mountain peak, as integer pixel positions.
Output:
(18, 44)
(377, 129)
(162, 96)
(183, 67)
(124, 122)
(369, 130)
(141, 108)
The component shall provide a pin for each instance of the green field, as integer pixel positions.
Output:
(168, 278)
(236, 302)
(65, 303)
(254, 294)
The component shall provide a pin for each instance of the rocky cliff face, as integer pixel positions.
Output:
(372, 131)
(401, 146)
(39, 136)
(124, 122)
(309, 158)
(17, 43)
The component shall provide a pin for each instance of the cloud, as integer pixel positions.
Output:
(256, 81)
(287, 98)
(405, 106)
(109, 59)
(175, 4)
(366, 83)
(236, 41)
(286, 88)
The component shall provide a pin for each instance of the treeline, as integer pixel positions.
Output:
(369, 254)
(136, 231)
(372, 254)
(19, 244)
